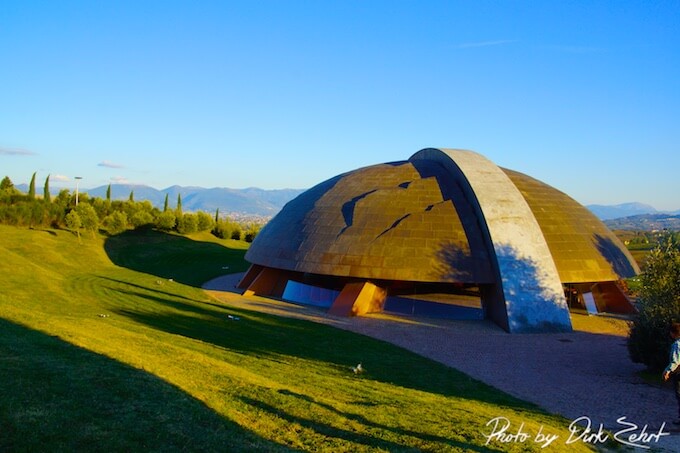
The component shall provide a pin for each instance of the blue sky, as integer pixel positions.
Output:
(584, 96)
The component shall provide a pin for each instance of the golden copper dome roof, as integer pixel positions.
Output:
(414, 220)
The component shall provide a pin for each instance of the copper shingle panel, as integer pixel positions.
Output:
(583, 248)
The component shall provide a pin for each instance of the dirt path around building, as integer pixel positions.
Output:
(586, 373)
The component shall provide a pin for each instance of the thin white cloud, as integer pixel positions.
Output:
(499, 42)
(109, 164)
(120, 180)
(16, 152)
(60, 178)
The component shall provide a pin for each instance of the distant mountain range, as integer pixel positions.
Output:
(255, 202)
(607, 212)
(250, 201)
(636, 216)
(646, 222)
(246, 202)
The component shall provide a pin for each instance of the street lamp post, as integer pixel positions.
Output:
(77, 178)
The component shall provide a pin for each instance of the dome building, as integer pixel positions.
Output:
(444, 233)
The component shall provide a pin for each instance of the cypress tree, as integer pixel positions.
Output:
(31, 188)
(165, 205)
(46, 191)
(132, 196)
(108, 193)
(217, 215)
(179, 204)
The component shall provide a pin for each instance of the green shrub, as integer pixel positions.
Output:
(73, 221)
(187, 223)
(103, 207)
(115, 223)
(88, 217)
(226, 229)
(220, 231)
(141, 219)
(659, 305)
(205, 221)
(252, 229)
(166, 221)
(7, 184)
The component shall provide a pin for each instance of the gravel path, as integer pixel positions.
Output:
(577, 374)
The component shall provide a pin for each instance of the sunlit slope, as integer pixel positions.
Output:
(219, 378)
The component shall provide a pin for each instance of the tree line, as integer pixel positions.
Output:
(82, 213)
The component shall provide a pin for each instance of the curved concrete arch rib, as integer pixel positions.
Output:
(527, 295)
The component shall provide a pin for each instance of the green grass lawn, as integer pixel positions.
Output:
(110, 344)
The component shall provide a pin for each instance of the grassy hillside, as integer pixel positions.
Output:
(100, 350)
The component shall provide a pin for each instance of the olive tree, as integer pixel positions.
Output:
(88, 217)
(166, 221)
(205, 221)
(73, 222)
(659, 305)
(116, 222)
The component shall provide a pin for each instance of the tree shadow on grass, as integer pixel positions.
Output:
(50, 232)
(364, 422)
(263, 335)
(357, 438)
(175, 257)
(61, 397)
